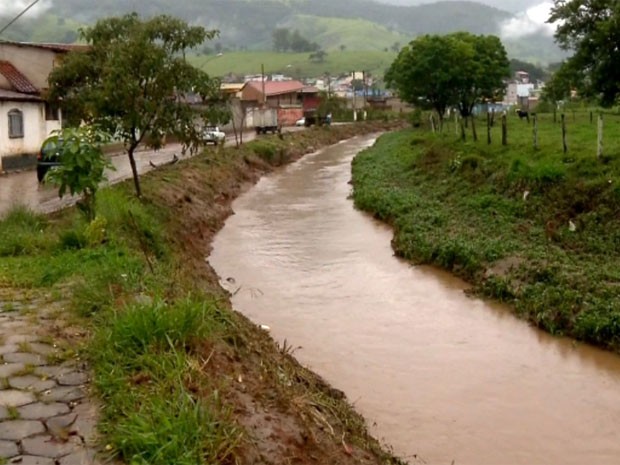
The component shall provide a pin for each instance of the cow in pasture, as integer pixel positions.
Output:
(523, 114)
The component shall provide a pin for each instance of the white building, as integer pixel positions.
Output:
(26, 120)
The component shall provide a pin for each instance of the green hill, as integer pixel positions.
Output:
(353, 34)
(249, 24)
(44, 28)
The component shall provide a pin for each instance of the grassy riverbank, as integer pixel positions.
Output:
(182, 378)
(538, 229)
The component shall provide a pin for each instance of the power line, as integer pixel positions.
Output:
(22, 13)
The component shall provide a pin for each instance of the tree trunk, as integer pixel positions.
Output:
(134, 170)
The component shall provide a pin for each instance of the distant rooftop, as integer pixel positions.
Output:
(63, 48)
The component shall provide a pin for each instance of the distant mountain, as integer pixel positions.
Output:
(354, 24)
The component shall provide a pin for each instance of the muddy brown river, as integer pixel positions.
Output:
(441, 377)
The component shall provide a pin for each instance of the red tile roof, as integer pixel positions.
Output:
(277, 87)
(17, 79)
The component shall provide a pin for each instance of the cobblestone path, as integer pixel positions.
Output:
(46, 417)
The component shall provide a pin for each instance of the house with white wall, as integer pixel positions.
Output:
(26, 119)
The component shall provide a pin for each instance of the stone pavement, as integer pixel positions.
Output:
(46, 417)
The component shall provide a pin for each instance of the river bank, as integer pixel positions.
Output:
(182, 378)
(533, 228)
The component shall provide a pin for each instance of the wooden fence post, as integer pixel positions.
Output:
(535, 122)
(489, 128)
(564, 145)
(504, 129)
(473, 128)
(456, 123)
(599, 150)
(463, 136)
(432, 120)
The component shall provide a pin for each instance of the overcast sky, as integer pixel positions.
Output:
(513, 6)
(530, 15)
(13, 7)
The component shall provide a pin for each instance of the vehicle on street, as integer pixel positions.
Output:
(265, 120)
(47, 158)
(301, 121)
(213, 135)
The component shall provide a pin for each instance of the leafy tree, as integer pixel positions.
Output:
(83, 164)
(590, 29)
(559, 87)
(458, 69)
(422, 73)
(482, 68)
(318, 56)
(132, 81)
(281, 39)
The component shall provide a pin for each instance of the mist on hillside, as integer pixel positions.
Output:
(514, 6)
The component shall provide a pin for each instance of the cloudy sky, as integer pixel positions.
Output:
(14, 7)
(531, 15)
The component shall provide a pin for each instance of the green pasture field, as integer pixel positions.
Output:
(297, 65)
(537, 228)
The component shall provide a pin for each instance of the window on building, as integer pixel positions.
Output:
(52, 112)
(16, 123)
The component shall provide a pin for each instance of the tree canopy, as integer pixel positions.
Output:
(590, 29)
(133, 81)
(459, 69)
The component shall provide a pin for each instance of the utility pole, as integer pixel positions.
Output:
(262, 78)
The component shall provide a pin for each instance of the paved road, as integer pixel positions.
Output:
(23, 189)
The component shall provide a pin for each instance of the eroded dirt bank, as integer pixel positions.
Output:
(288, 414)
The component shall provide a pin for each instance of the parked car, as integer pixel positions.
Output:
(48, 157)
(301, 121)
(213, 135)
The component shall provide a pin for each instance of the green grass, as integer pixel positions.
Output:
(146, 326)
(461, 205)
(297, 65)
(152, 345)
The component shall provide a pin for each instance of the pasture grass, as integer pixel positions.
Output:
(539, 229)
(297, 65)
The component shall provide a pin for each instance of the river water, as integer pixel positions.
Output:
(439, 376)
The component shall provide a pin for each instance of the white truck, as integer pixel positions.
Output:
(213, 135)
(265, 120)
